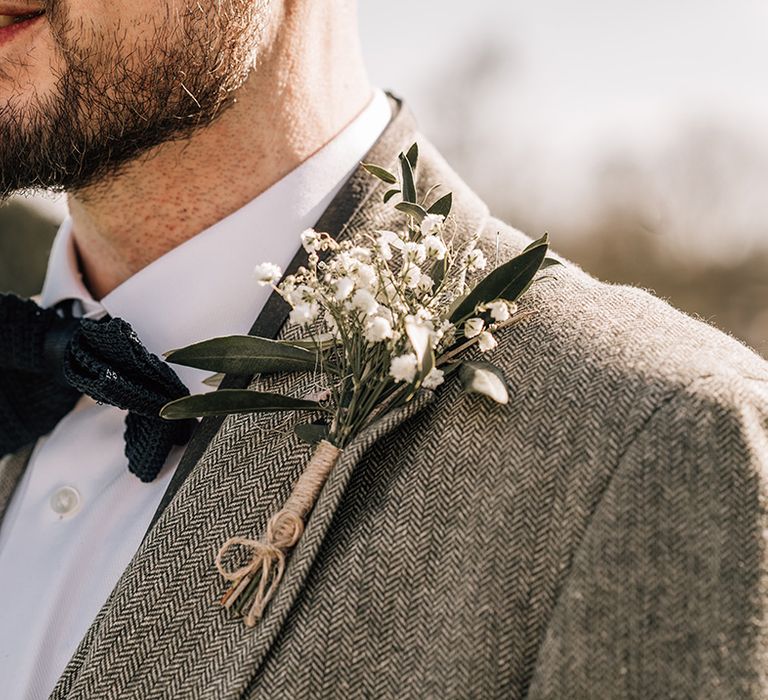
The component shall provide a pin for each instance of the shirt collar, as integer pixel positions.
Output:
(205, 287)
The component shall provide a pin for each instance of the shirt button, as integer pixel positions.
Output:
(65, 501)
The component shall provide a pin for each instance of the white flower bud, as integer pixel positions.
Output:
(305, 313)
(365, 275)
(363, 301)
(473, 327)
(385, 240)
(377, 330)
(434, 379)
(360, 253)
(267, 273)
(299, 295)
(499, 310)
(486, 342)
(435, 247)
(430, 222)
(343, 287)
(425, 283)
(415, 251)
(476, 260)
(310, 239)
(412, 276)
(403, 368)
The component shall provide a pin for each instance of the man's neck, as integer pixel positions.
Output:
(295, 101)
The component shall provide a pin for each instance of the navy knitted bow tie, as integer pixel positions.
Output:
(48, 359)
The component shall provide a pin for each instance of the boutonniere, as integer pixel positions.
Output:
(384, 316)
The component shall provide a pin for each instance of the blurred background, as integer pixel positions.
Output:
(636, 134)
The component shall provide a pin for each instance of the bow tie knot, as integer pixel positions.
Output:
(48, 359)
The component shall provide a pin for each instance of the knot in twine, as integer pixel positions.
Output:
(257, 580)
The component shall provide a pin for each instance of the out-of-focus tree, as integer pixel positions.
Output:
(25, 241)
(683, 218)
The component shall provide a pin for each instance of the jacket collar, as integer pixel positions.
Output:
(236, 472)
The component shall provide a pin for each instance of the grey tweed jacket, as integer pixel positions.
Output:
(602, 536)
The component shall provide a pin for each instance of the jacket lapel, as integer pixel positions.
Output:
(161, 633)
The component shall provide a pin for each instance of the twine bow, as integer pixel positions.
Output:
(254, 584)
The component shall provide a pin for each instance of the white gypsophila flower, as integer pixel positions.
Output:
(476, 260)
(385, 242)
(403, 368)
(415, 251)
(299, 294)
(378, 329)
(364, 302)
(267, 273)
(473, 327)
(499, 310)
(423, 317)
(434, 379)
(343, 288)
(360, 253)
(486, 342)
(412, 275)
(430, 222)
(425, 283)
(435, 247)
(305, 313)
(310, 239)
(365, 275)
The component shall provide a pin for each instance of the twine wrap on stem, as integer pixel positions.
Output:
(254, 584)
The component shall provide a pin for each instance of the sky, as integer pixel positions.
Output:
(587, 64)
(677, 90)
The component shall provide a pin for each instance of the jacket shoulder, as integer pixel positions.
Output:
(620, 330)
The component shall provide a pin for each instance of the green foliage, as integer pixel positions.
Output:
(415, 210)
(407, 180)
(226, 401)
(381, 173)
(537, 242)
(549, 262)
(438, 272)
(442, 206)
(413, 156)
(245, 354)
(508, 281)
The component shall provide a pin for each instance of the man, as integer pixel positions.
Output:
(602, 536)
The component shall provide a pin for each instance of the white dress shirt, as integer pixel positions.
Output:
(78, 515)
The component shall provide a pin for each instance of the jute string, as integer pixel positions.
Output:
(285, 528)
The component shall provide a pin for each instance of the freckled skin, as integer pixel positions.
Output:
(307, 82)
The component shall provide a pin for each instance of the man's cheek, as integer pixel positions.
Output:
(35, 75)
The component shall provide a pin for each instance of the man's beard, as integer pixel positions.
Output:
(113, 102)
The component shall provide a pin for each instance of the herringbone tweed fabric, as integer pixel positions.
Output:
(602, 536)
